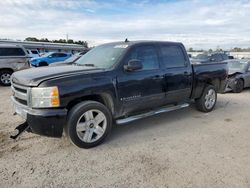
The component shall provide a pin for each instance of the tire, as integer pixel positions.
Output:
(5, 77)
(239, 86)
(42, 64)
(86, 130)
(207, 101)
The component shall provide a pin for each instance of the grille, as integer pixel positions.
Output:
(20, 93)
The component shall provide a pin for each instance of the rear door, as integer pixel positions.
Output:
(177, 72)
(141, 89)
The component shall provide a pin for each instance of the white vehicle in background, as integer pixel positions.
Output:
(12, 58)
(33, 52)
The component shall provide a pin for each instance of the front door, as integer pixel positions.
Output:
(142, 89)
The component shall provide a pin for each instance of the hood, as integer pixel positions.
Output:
(234, 71)
(34, 76)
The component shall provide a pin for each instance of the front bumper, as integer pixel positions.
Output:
(231, 84)
(46, 122)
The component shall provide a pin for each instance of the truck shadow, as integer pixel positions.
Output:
(155, 126)
(165, 124)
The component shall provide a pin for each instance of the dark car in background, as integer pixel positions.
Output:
(209, 58)
(238, 75)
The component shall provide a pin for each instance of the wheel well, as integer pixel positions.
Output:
(243, 81)
(215, 82)
(9, 69)
(105, 99)
(43, 62)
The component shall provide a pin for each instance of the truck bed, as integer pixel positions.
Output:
(215, 72)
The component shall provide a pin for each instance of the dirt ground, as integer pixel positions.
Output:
(185, 148)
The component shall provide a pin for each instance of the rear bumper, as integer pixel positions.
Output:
(46, 122)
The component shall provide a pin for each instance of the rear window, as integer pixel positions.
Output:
(62, 55)
(11, 52)
(172, 56)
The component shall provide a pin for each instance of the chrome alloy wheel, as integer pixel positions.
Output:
(91, 126)
(210, 99)
(5, 78)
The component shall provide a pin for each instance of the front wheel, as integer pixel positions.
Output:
(207, 101)
(239, 86)
(5, 77)
(88, 124)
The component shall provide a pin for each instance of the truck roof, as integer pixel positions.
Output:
(130, 43)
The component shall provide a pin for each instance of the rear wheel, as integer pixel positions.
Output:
(42, 64)
(239, 86)
(88, 124)
(207, 101)
(5, 77)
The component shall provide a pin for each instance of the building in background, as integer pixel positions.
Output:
(44, 47)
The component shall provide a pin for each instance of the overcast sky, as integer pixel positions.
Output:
(196, 23)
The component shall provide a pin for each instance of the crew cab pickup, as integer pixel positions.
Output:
(113, 83)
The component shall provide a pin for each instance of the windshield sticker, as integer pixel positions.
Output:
(121, 46)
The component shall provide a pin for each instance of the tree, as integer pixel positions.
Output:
(191, 50)
(210, 50)
(70, 41)
(33, 39)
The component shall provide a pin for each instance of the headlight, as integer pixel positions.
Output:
(45, 97)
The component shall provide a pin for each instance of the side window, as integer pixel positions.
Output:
(34, 52)
(11, 52)
(216, 57)
(55, 55)
(147, 55)
(172, 56)
(62, 55)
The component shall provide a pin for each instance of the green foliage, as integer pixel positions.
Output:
(70, 41)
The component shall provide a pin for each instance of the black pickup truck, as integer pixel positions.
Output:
(113, 83)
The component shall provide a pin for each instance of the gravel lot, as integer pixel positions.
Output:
(185, 148)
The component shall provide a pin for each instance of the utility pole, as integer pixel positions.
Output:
(67, 37)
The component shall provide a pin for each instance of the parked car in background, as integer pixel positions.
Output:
(49, 58)
(68, 61)
(238, 75)
(12, 58)
(209, 58)
(33, 52)
(115, 82)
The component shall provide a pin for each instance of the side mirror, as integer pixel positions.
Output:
(133, 65)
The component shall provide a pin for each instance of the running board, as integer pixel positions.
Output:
(151, 113)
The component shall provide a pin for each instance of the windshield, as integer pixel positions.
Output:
(237, 66)
(201, 56)
(104, 56)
